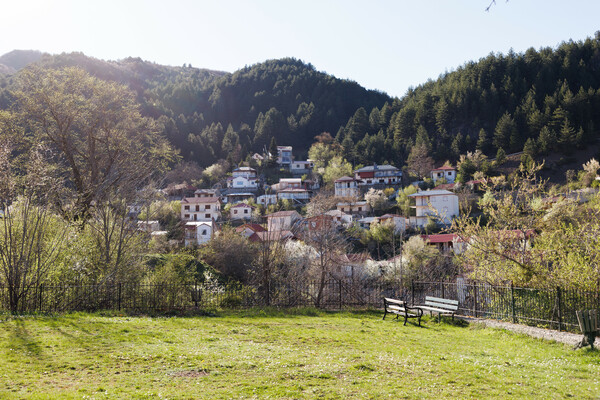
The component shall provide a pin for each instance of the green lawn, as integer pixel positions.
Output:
(275, 355)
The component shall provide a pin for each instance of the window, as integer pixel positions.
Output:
(207, 207)
(235, 211)
(186, 208)
(245, 211)
(206, 215)
(197, 208)
(204, 232)
(359, 208)
(186, 215)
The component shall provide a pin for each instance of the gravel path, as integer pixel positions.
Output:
(548, 334)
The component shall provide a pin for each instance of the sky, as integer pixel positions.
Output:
(384, 45)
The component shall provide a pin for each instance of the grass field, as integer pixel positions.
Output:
(305, 354)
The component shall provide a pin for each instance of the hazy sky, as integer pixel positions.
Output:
(385, 45)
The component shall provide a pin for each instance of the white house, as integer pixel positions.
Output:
(200, 209)
(441, 205)
(354, 207)
(241, 211)
(446, 172)
(347, 187)
(282, 220)
(198, 232)
(242, 182)
(266, 199)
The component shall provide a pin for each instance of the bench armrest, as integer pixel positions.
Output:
(418, 310)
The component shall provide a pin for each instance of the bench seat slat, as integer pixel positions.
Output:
(440, 300)
(441, 305)
(434, 309)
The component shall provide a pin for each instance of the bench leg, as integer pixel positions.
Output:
(384, 313)
(419, 317)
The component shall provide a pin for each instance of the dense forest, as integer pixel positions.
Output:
(210, 115)
(541, 101)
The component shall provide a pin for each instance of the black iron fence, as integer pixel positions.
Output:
(553, 308)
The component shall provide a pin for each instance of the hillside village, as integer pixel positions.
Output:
(262, 212)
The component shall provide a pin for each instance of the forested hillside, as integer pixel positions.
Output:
(210, 115)
(541, 101)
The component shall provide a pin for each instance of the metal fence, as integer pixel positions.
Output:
(553, 308)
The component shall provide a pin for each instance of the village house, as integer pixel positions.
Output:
(148, 226)
(266, 199)
(179, 191)
(241, 211)
(284, 156)
(200, 209)
(243, 178)
(271, 236)
(296, 195)
(341, 218)
(446, 172)
(207, 193)
(198, 232)
(445, 242)
(301, 167)
(248, 230)
(234, 198)
(347, 187)
(282, 220)
(441, 205)
(400, 222)
(288, 183)
(378, 175)
(354, 207)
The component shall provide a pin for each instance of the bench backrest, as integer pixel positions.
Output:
(588, 320)
(445, 304)
(387, 301)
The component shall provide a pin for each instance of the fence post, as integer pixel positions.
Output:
(196, 294)
(412, 292)
(41, 297)
(512, 302)
(340, 291)
(558, 299)
(475, 300)
(442, 287)
(119, 298)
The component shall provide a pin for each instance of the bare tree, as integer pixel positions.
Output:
(30, 235)
(330, 246)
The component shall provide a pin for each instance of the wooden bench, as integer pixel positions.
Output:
(439, 306)
(400, 308)
(588, 322)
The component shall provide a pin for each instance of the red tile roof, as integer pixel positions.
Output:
(252, 227)
(445, 168)
(440, 238)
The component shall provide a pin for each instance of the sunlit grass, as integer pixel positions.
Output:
(276, 354)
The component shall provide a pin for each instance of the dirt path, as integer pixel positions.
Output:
(548, 334)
